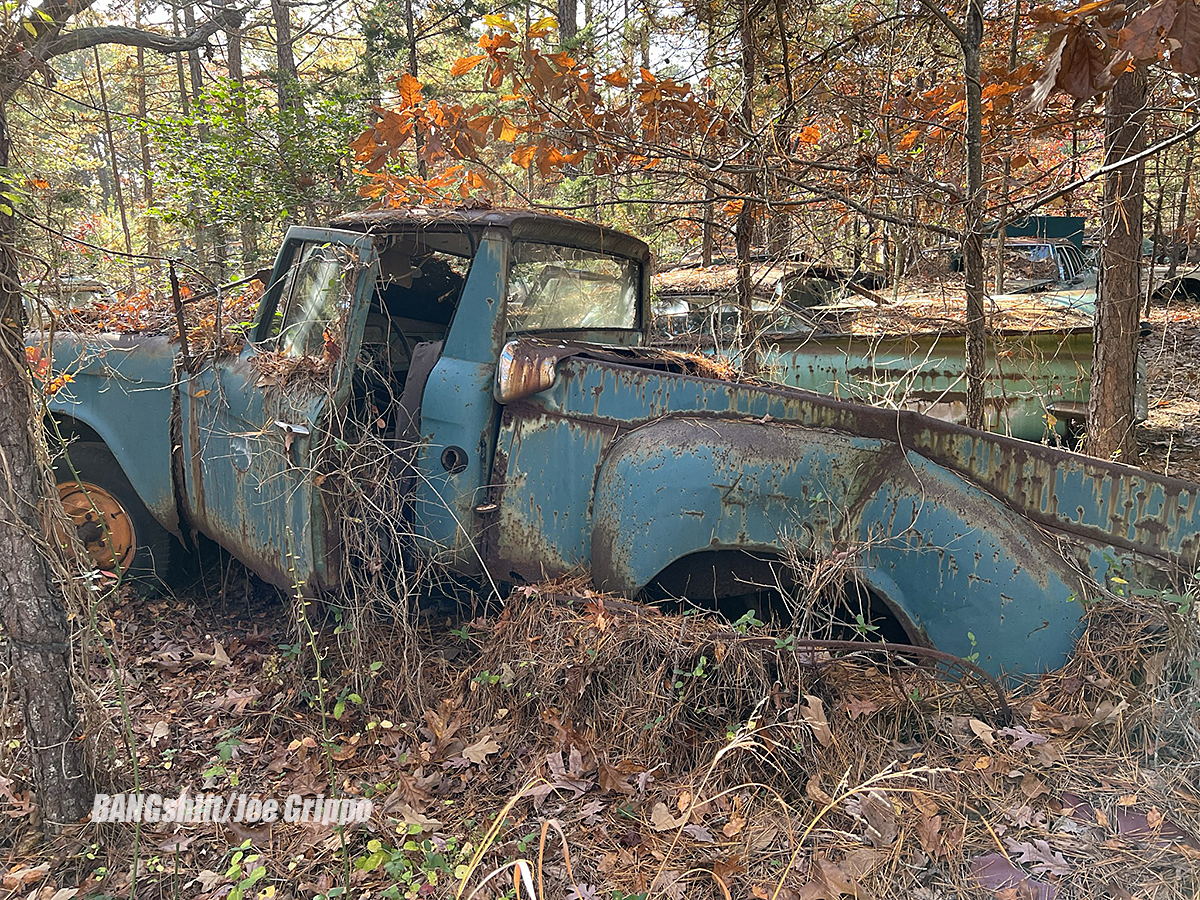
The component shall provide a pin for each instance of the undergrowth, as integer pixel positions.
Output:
(582, 746)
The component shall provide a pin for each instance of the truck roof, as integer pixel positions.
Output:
(524, 224)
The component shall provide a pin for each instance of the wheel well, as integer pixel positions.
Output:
(69, 428)
(828, 598)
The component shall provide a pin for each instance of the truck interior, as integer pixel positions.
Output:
(421, 279)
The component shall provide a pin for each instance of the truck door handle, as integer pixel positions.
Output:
(289, 428)
(290, 433)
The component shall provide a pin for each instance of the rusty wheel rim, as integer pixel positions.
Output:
(101, 524)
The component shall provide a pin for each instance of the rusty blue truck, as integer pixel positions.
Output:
(535, 433)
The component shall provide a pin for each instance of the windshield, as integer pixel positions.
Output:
(555, 288)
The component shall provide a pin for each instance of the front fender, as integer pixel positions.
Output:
(950, 557)
(121, 388)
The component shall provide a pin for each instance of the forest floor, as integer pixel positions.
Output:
(654, 755)
(1169, 439)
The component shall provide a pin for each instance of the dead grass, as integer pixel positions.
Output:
(676, 756)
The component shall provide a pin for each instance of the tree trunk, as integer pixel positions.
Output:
(410, 30)
(973, 227)
(285, 60)
(285, 86)
(1110, 432)
(199, 232)
(745, 219)
(249, 225)
(36, 636)
(1001, 224)
(1180, 233)
(1157, 241)
(215, 231)
(568, 20)
(144, 148)
(111, 143)
(710, 94)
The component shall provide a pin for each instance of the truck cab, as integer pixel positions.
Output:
(399, 319)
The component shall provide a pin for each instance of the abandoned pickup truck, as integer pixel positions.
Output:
(536, 434)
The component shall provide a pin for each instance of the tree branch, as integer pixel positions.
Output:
(1100, 171)
(84, 38)
(951, 25)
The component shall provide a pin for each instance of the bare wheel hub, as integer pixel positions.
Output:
(101, 524)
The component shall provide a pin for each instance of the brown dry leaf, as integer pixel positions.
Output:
(1186, 30)
(814, 714)
(218, 658)
(661, 818)
(1127, 800)
(238, 700)
(926, 804)
(1049, 754)
(858, 706)
(982, 763)
(670, 883)
(760, 837)
(411, 816)
(1039, 856)
(983, 731)
(176, 843)
(735, 825)
(1154, 817)
(831, 875)
(1032, 786)
(1084, 71)
(207, 879)
(160, 730)
(483, 748)
(257, 835)
(860, 863)
(1143, 33)
(929, 833)
(1107, 712)
(880, 814)
(1058, 721)
(444, 722)
(22, 877)
(725, 869)
(610, 778)
(814, 791)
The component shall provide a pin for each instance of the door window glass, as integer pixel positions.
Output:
(316, 299)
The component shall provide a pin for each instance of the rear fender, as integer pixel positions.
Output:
(940, 549)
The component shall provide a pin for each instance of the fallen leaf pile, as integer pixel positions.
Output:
(605, 750)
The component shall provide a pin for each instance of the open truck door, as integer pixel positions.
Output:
(250, 421)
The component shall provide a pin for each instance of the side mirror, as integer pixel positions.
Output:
(525, 369)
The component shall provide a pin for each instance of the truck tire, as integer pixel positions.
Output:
(129, 542)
